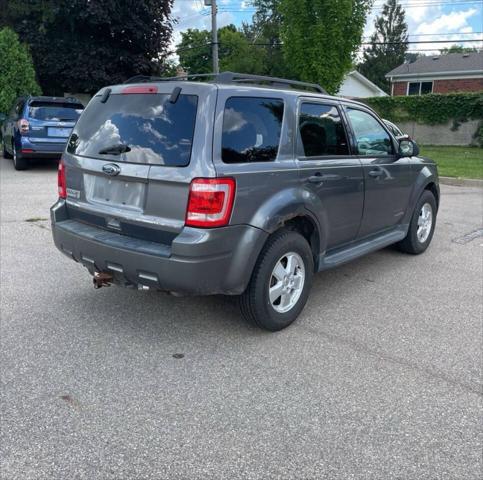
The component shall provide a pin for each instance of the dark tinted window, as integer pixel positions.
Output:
(371, 138)
(251, 129)
(155, 130)
(321, 130)
(413, 88)
(55, 111)
(426, 87)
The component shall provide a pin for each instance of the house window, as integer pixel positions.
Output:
(420, 88)
(426, 87)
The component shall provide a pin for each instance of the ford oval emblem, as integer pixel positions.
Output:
(111, 169)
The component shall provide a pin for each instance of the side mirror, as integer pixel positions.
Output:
(407, 147)
(3, 117)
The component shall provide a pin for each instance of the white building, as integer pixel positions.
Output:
(355, 85)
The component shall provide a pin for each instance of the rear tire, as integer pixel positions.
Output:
(421, 227)
(280, 283)
(19, 162)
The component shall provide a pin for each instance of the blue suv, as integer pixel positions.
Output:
(38, 127)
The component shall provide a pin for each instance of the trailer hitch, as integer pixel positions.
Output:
(102, 279)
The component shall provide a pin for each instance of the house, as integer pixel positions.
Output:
(355, 85)
(453, 72)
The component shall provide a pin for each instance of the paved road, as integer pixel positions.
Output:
(379, 379)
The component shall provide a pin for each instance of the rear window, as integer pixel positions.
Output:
(251, 129)
(55, 111)
(144, 128)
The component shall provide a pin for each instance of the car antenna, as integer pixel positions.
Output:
(175, 95)
(105, 95)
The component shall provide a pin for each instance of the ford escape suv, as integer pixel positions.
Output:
(38, 127)
(240, 185)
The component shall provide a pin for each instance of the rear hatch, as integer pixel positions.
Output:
(133, 153)
(52, 121)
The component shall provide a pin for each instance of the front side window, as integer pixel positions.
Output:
(251, 129)
(321, 130)
(371, 138)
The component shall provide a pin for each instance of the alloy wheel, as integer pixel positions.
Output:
(286, 282)
(425, 222)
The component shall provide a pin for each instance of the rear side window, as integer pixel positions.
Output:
(321, 130)
(251, 129)
(55, 111)
(137, 128)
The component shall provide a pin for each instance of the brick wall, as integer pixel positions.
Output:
(445, 86)
(400, 88)
(462, 85)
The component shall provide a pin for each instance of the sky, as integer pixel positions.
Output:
(428, 20)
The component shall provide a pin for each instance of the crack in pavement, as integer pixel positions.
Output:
(426, 371)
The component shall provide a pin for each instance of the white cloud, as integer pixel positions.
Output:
(426, 22)
(447, 22)
(195, 14)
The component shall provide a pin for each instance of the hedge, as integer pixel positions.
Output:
(431, 109)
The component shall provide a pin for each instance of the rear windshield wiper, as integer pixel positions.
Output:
(115, 149)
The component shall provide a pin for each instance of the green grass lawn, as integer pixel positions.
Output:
(463, 162)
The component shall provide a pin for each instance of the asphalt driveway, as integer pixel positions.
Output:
(380, 378)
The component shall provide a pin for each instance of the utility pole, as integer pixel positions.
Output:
(214, 35)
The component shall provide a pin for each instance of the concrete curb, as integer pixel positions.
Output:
(461, 182)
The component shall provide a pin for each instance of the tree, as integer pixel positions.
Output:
(265, 31)
(194, 51)
(320, 38)
(457, 49)
(17, 74)
(235, 51)
(389, 44)
(82, 45)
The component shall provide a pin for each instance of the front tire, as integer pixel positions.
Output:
(280, 283)
(421, 227)
(19, 162)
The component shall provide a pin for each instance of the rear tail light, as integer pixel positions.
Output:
(210, 202)
(23, 126)
(61, 180)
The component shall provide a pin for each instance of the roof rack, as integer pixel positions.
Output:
(231, 77)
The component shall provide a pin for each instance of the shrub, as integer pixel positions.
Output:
(17, 74)
(431, 109)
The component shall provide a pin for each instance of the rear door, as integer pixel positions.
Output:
(328, 167)
(388, 180)
(132, 155)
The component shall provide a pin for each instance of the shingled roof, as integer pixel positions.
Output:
(471, 63)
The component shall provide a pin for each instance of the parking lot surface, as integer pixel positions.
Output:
(380, 377)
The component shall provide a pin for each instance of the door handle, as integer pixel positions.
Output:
(377, 172)
(319, 178)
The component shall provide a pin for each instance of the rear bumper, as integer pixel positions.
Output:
(29, 149)
(198, 261)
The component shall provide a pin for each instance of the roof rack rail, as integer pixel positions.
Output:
(232, 77)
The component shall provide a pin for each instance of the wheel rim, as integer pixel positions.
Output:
(286, 282)
(425, 222)
(14, 151)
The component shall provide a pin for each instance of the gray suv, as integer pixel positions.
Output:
(240, 185)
